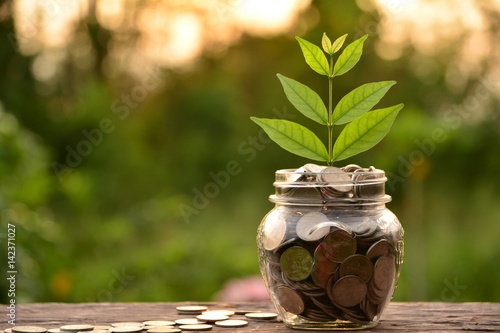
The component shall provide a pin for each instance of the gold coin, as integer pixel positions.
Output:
(349, 291)
(261, 315)
(200, 327)
(296, 262)
(76, 328)
(231, 323)
(28, 329)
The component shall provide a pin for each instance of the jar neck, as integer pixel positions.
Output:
(331, 187)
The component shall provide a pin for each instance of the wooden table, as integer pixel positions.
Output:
(400, 317)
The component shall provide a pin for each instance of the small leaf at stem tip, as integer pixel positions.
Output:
(294, 138)
(349, 57)
(327, 44)
(365, 132)
(306, 100)
(314, 57)
(338, 43)
(359, 101)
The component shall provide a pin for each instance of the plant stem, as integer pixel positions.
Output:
(330, 114)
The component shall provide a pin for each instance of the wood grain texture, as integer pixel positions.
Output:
(398, 317)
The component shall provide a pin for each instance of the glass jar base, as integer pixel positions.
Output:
(338, 325)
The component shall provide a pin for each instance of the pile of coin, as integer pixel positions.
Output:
(204, 321)
(327, 264)
(351, 181)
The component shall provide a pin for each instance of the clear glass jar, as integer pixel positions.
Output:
(330, 251)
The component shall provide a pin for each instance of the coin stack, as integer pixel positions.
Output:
(322, 264)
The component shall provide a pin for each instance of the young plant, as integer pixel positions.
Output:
(364, 128)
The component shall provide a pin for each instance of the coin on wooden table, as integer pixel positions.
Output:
(296, 262)
(228, 313)
(127, 323)
(28, 329)
(76, 328)
(165, 329)
(158, 323)
(54, 330)
(231, 323)
(8, 330)
(188, 321)
(211, 318)
(274, 230)
(99, 331)
(339, 245)
(309, 221)
(199, 327)
(358, 265)
(125, 329)
(102, 327)
(349, 291)
(262, 315)
(191, 309)
(243, 311)
(290, 300)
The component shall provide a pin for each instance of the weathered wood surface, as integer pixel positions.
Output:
(400, 317)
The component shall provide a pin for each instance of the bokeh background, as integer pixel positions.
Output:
(117, 117)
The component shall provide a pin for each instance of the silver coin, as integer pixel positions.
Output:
(274, 230)
(227, 313)
(211, 318)
(339, 181)
(166, 329)
(188, 321)
(308, 222)
(76, 328)
(28, 329)
(192, 308)
(231, 323)
(158, 323)
(261, 315)
(102, 327)
(54, 330)
(199, 327)
(127, 323)
(125, 329)
(313, 168)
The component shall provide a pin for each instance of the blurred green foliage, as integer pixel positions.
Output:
(115, 227)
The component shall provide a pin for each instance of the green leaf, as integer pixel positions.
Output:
(293, 137)
(365, 132)
(349, 57)
(327, 44)
(338, 43)
(314, 57)
(359, 101)
(306, 100)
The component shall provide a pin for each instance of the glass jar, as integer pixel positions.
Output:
(330, 251)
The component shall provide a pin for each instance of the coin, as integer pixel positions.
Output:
(125, 329)
(199, 327)
(351, 168)
(296, 262)
(76, 328)
(309, 221)
(227, 313)
(166, 329)
(192, 308)
(28, 329)
(349, 291)
(290, 300)
(319, 277)
(158, 323)
(231, 323)
(53, 330)
(188, 321)
(358, 265)
(313, 168)
(383, 273)
(261, 315)
(102, 327)
(378, 249)
(129, 323)
(8, 330)
(339, 182)
(274, 230)
(211, 318)
(339, 245)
